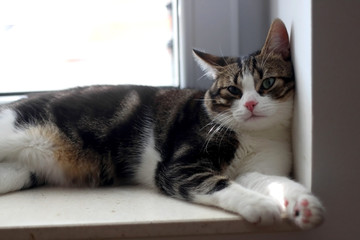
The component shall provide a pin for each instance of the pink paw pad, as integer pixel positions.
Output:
(303, 211)
(307, 213)
(304, 203)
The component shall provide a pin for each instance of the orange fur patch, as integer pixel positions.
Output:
(80, 167)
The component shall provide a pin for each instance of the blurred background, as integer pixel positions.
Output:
(47, 45)
(57, 44)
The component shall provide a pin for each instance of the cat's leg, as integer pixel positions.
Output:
(15, 177)
(302, 207)
(252, 206)
(195, 184)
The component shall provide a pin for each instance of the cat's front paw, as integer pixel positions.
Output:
(262, 211)
(305, 210)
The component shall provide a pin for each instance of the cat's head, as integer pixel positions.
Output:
(254, 92)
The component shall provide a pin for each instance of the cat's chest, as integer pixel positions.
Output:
(263, 154)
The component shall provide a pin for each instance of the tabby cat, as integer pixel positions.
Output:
(228, 146)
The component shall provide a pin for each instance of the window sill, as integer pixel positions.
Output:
(125, 212)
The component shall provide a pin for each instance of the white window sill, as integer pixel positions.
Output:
(125, 212)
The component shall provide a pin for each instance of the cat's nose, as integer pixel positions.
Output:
(251, 105)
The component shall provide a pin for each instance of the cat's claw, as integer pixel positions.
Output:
(306, 211)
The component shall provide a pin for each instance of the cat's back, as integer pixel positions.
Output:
(99, 101)
(92, 135)
(97, 114)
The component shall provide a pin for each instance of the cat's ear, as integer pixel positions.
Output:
(211, 64)
(277, 40)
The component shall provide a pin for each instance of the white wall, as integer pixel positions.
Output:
(297, 17)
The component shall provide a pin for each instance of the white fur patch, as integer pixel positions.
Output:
(34, 148)
(24, 151)
(149, 160)
(8, 131)
(248, 83)
(7, 122)
(267, 151)
(13, 177)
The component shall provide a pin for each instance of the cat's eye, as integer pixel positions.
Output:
(268, 83)
(234, 90)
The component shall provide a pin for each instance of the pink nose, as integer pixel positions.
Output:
(251, 105)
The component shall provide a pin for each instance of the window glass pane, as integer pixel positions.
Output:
(55, 44)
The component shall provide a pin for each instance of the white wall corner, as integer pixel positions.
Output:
(297, 18)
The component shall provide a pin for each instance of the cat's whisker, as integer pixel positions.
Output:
(267, 56)
(225, 120)
(204, 100)
(229, 70)
(211, 133)
(216, 120)
(223, 56)
(202, 76)
(226, 130)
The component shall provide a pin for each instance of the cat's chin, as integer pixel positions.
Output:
(256, 123)
(254, 118)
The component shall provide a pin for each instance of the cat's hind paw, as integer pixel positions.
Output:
(306, 211)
